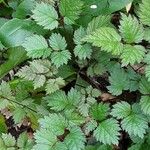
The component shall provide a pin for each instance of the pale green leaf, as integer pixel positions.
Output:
(45, 15)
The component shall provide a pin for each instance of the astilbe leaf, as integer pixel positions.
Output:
(107, 38)
(36, 47)
(131, 30)
(107, 132)
(70, 10)
(97, 22)
(45, 15)
(121, 110)
(132, 54)
(144, 12)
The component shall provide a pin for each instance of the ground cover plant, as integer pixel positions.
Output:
(74, 74)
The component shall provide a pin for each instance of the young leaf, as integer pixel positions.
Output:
(108, 132)
(45, 15)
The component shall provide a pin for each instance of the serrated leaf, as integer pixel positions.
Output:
(78, 35)
(75, 140)
(57, 42)
(90, 126)
(131, 30)
(121, 110)
(135, 124)
(144, 86)
(99, 111)
(45, 15)
(83, 51)
(145, 104)
(108, 132)
(44, 139)
(97, 22)
(24, 143)
(9, 140)
(116, 86)
(132, 54)
(53, 85)
(107, 38)
(144, 12)
(70, 10)
(56, 123)
(57, 100)
(60, 58)
(18, 114)
(36, 47)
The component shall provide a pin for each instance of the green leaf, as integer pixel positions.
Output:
(116, 86)
(78, 35)
(99, 111)
(56, 123)
(135, 124)
(18, 114)
(57, 100)
(37, 72)
(90, 126)
(107, 38)
(60, 58)
(9, 140)
(75, 140)
(70, 10)
(144, 86)
(131, 30)
(24, 9)
(108, 132)
(45, 15)
(24, 143)
(3, 126)
(144, 12)
(53, 85)
(97, 22)
(132, 54)
(147, 72)
(36, 47)
(121, 110)
(74, 118)
(16, 56)
(57, 42)
(14, 32)
(145, 104)
(44, 139)
(83, 51)
(146, 34)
